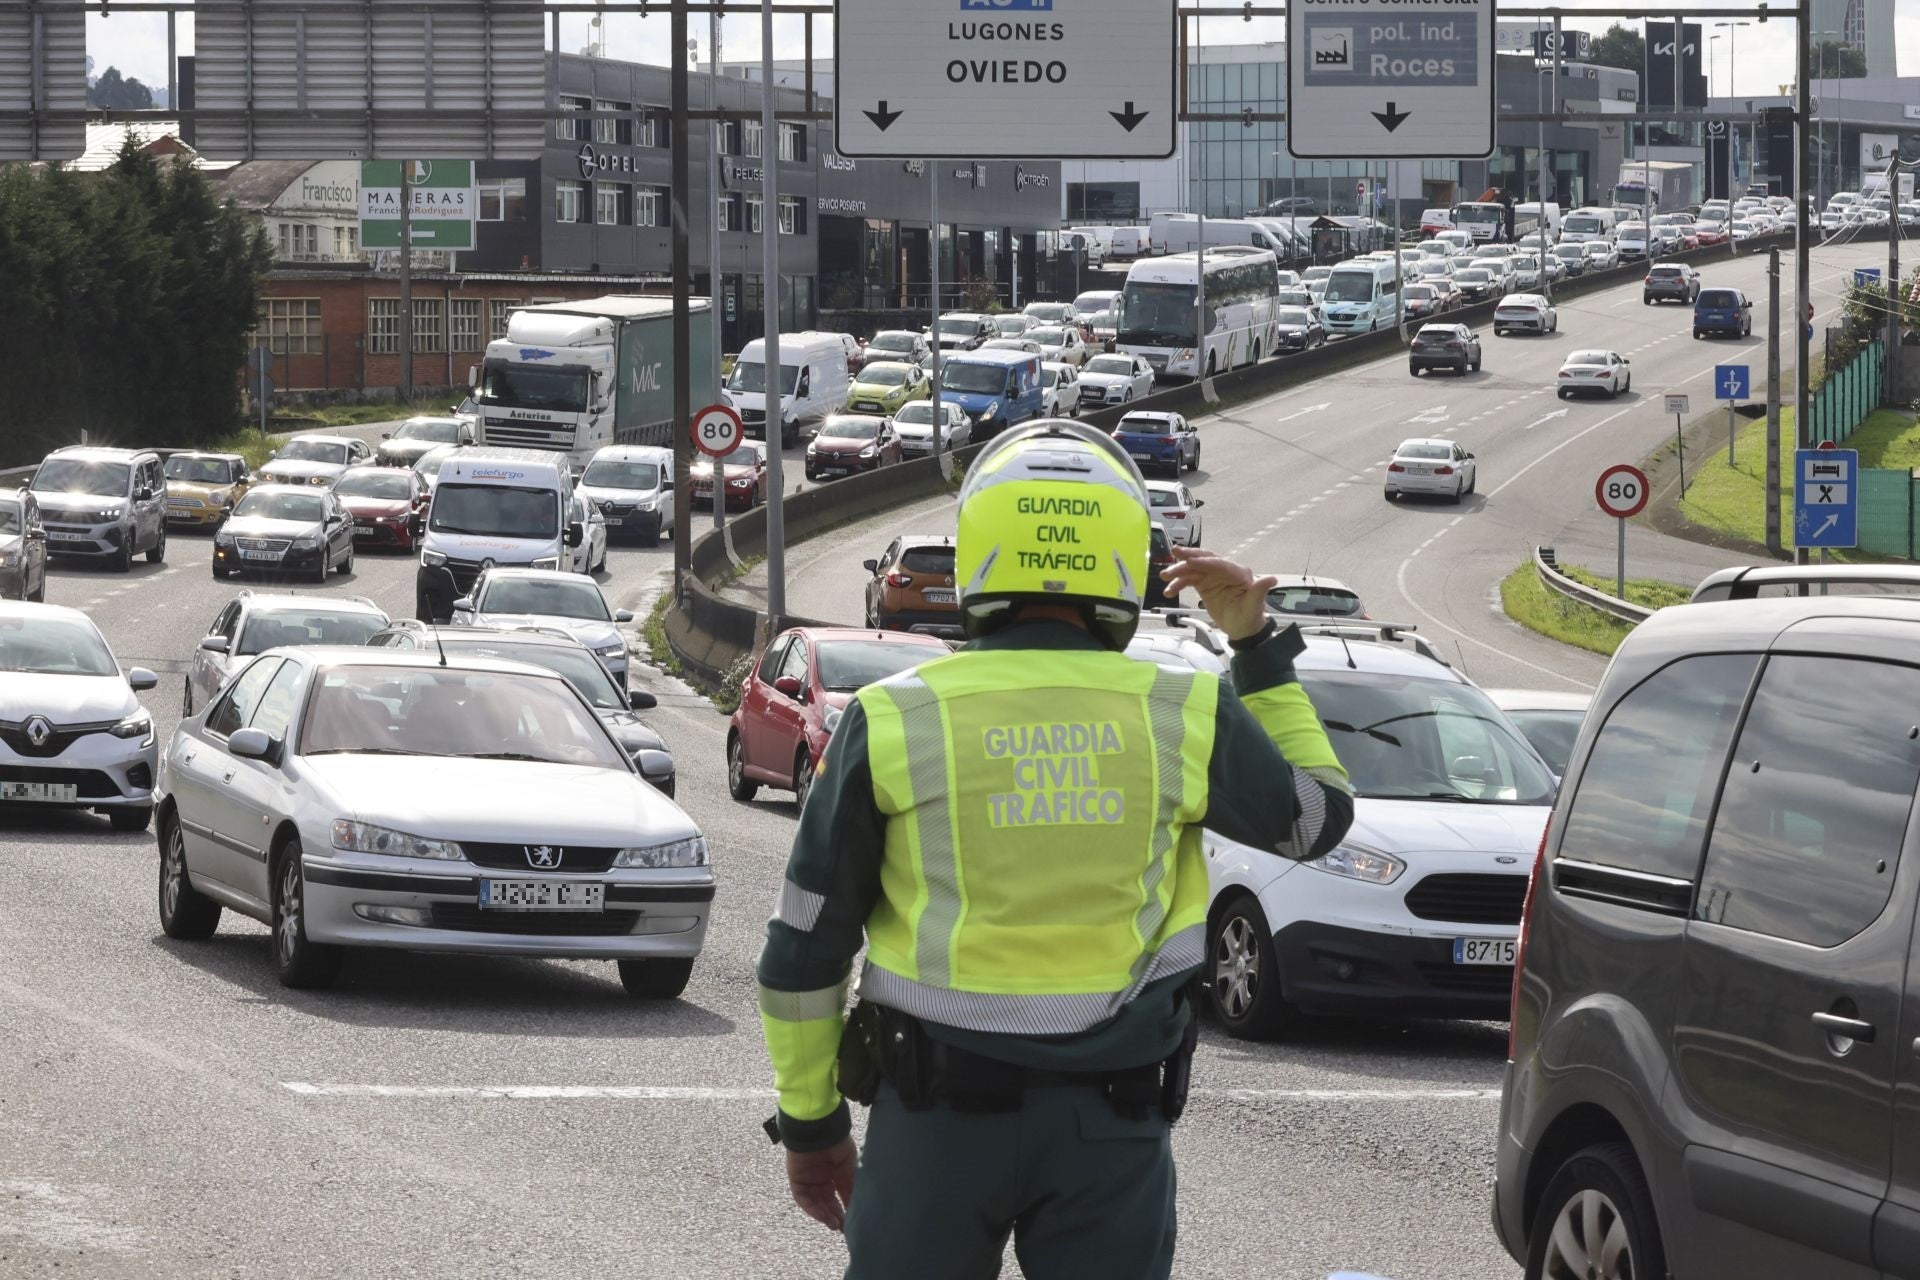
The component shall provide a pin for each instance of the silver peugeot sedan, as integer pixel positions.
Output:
(378, 798)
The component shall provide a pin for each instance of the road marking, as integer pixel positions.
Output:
(669, 1093)
(1301, 413)
(1559, 413)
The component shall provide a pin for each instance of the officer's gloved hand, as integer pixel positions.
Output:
(1233, 597)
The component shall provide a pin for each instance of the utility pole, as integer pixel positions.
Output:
(933, 328)
(1802, 246)
(406, 281)
(775, 380)
(682, 323)
(715, 287)
(1892, 361)
(1773, 401)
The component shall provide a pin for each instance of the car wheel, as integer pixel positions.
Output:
(1392, 494)
(1414, 369)
(1459, 491)
(185, 912)
(1460, 369)
(346, 566)
(122, 561)
(739, 785)
(1596, 1219)
(1613, 391)
(802, 777)
(1195, 464)
(157, 553)
(1242, 975)
(655, 979)
(133, 818)
(296, 961)
(1646, 299)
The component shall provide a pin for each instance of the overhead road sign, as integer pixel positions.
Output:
(1390, 79)
(1005, 79)
(443, 204)
(1826, 497)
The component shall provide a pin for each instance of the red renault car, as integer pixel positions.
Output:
(388, 505)
(794, 696)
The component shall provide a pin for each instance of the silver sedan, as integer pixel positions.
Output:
(373, 798)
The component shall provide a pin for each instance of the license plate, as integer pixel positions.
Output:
(1141, 457)
(542, 895)
(1414, 470)
(937, 595)
(1484, 950)
(615, 520)
(40, 792)
(260, 555)
(55, 535)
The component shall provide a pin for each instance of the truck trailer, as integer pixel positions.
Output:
(1654, 186)
(574, 377)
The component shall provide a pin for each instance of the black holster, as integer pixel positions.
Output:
(860, 1055)
(1177, 1072)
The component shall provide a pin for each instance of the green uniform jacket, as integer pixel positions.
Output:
(1272, 782)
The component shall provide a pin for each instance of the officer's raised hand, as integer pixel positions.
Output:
(1233, 597)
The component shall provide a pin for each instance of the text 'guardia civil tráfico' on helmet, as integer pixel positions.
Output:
(1054, 512)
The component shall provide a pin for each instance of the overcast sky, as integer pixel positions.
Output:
(136, 42)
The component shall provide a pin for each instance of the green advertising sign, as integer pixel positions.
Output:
(443, 204)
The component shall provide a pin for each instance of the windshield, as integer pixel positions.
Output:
(53, 647)
(743, 455)
(308, 508)
(1409, 738)
(920, 413)
(1551, 733)
(1293, 315)
(437, 430)
(1416, 293)
(1473, 275)
(891, 342)
(846, 665)
(572, 663)
(1317, 602)
(1165, 498)
(433, 711)
(273, 628)
(850, 428)
(884, 375)
(959, 326)
(548, 597)
(430, 464)
(1478, 213)
(1157, 315)
(1048, 312)
(375, 482)
(1590, 357)
(184, 466)
(1088, 303)
(326, 451)
(10, 520)
(1425, 451)
(609, 474)
(521, 386)
(934, 560)
(1048, 337)
(975, 379)
(753, 377)
(72, 475)
(1111, 364)
(495, 511)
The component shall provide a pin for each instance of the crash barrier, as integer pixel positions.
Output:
(1553, 580)
(710, 633)
(1849, 395)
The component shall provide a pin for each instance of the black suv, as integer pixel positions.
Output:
(1713, 1066)
(1444, 346)
(1671, 282)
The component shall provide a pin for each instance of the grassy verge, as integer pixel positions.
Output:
(1733, 500)
(1650, 593)
(353, 415)
(726, 697)
(1530, 604)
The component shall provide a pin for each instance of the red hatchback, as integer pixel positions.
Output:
(796, 692)
(388, 505)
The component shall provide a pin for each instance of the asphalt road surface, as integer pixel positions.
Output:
(170, 1111)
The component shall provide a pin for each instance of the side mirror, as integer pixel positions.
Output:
(139, 679)
(788, 685)
(473, 375)
(1199, 503)
(216, 644)
(463, 605)
(386, 435)
(641, 700)
(143, 494)
(250, 744)
(623, 615)
(575, 534)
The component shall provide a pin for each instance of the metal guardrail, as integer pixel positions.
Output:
(1553, 580)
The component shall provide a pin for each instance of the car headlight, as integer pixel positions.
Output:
(738, 484)
(137, 725)
(987, 414)
(320, 480)
(308, 543)
(657, 857)
(1359, 862)
(432, 559)
(611, 649)
(546, 562)
(7, 559)
(870, 452)
(812, 450)
(364, 837)
(108, 513)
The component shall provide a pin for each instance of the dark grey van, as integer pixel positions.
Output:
(1714, 1064)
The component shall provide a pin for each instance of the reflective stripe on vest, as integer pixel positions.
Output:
(1037, 806)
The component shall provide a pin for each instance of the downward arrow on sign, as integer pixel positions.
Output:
(1391, 118)
(1129, 119)
(883, 119)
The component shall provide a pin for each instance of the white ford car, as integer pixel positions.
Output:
(1416, 913)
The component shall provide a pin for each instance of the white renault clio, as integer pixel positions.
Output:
(1416, 913)
(72, 734)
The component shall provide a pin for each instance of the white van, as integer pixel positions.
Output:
(1126, 244)
(1584, 225)
(493, 506)
(1182, 233)
(1361, 296)
(813, 383)
(1548, 214)
(1095, 240)
(632, 485)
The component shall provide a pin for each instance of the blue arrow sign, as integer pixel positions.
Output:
(1866, 275)
(1826, 497)
(1731, 382)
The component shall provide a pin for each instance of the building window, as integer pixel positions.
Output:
(613, 131)
(653, 207)
(569, 202)
(290, 326)
(502, 199)
(346, 243)
(729, 214)
(793, 216)
(646, 129)
(572, 130)
(463, 323)
(753, 213)
(793, 141)
(726, 134)
(383, 326)
(749, 137)
(611, 204)
(429, 332)
(499, 312)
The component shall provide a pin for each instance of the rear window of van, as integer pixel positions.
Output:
(1717, 298)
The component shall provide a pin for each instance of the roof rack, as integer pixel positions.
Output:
(1379, 632)
(1744, 582)
(1198, 621)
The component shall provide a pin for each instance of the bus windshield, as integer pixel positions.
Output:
(1350, 286)
(1156, 314)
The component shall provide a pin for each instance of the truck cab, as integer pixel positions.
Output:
(493, 507)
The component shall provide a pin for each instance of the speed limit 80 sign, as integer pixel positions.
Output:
(717, 430)
(1621, 491)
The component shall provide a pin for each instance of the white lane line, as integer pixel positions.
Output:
(668, 1093)
(1405, 594)
(1563, 444)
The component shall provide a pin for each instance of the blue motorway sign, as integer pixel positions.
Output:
(1826, 497)
(1731, 382)
(1866, 275)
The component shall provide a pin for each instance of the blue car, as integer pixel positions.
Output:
(1722, 311)
(1159, 440)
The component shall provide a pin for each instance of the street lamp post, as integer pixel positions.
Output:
(1733, 88)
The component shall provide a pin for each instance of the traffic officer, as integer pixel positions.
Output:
(1015, 829)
